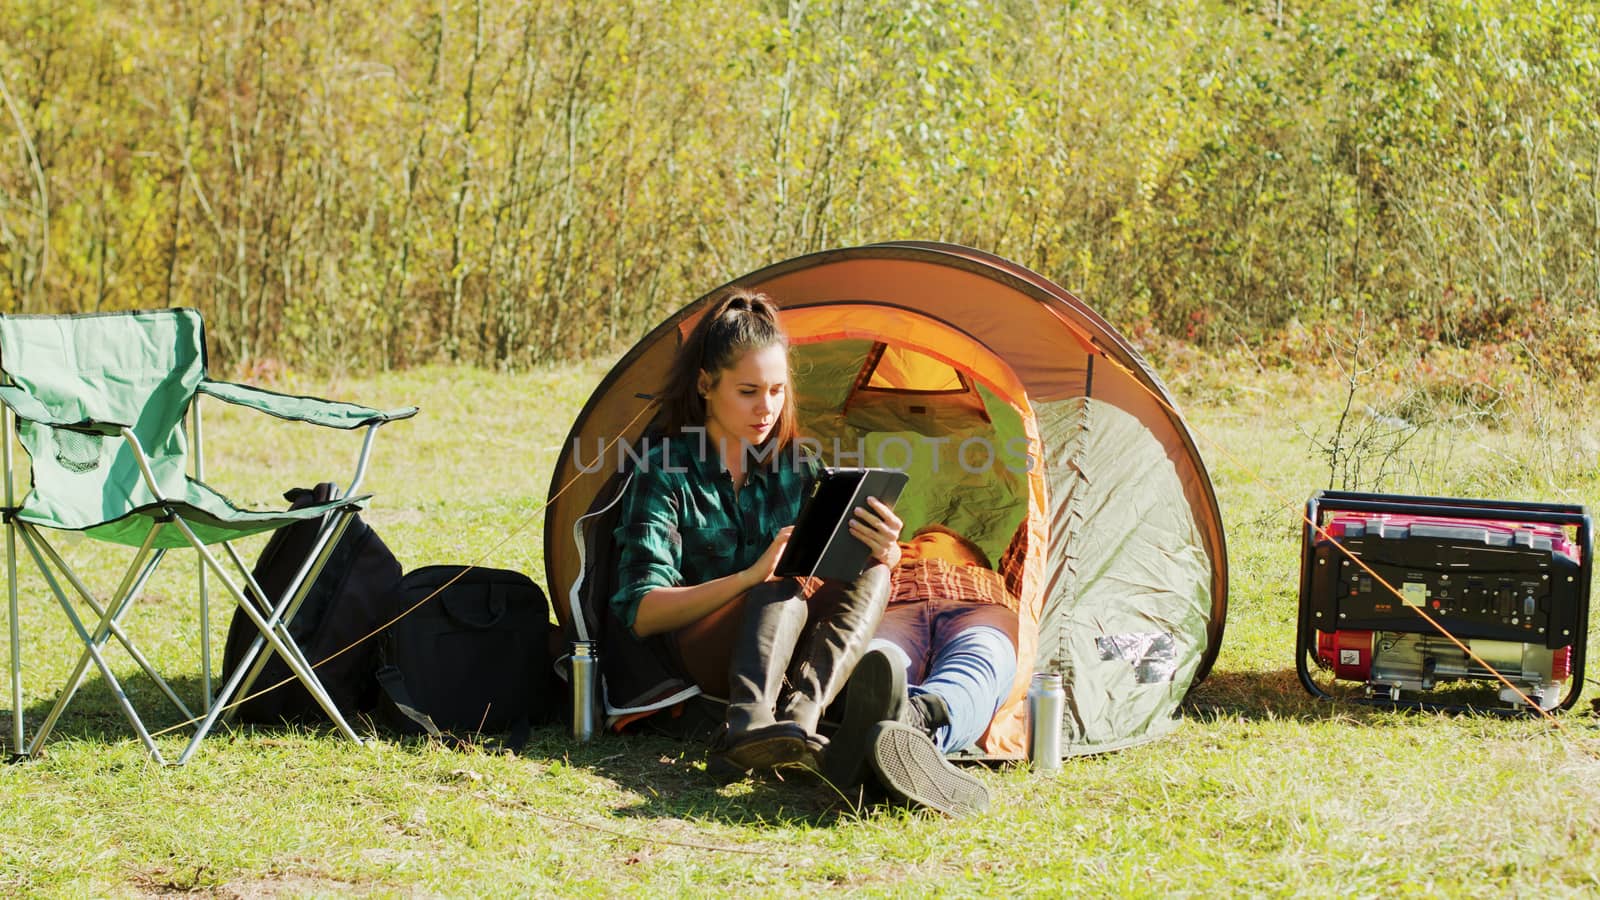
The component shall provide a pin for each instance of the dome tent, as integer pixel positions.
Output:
(1027, 423)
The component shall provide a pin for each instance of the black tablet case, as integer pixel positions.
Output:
(822, 544)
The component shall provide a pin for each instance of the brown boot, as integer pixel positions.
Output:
(843, 623)
(752, 737)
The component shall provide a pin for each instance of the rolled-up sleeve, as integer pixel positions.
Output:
(649, 547)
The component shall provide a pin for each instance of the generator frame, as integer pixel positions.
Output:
(1324, 503)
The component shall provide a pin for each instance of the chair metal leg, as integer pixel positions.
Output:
(219, 706)
(69, 690)
(144, 564)
(94, 653)
(279, 643)
(13, 623)
(250, 665)
(284, 612)
(14, 627)
(197, 440)
(205, 638)
(327, 539)
(280, 615)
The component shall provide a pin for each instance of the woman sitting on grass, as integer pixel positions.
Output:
(701, 529)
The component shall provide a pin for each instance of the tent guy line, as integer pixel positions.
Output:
(1321, 530)
(1249, 470)
(482, 557)
(1095, 350)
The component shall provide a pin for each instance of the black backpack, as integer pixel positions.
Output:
(472, 656)
(356, 593)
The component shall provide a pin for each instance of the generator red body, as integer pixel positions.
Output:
(1403, 594)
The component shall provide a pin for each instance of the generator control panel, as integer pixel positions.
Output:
(1501, 581)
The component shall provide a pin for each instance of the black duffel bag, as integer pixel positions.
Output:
(472, 656)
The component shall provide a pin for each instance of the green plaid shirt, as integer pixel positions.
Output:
(680, 522)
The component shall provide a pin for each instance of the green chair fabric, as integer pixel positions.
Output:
(76, 380)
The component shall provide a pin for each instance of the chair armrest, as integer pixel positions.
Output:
(29, 407)
(330, 413)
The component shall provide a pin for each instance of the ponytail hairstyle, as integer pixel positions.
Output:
(736, 322)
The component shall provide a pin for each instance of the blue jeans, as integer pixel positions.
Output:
(964, 652)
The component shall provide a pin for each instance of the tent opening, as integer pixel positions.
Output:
(896, 369)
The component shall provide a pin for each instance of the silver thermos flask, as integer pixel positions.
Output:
(585, 680)
(1046, 702)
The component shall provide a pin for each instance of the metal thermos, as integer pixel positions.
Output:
(1046, 702)
(585, 686)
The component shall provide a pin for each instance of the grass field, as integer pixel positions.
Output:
(1263, 791)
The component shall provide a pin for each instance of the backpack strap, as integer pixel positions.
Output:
(394, 685)
(521, 730)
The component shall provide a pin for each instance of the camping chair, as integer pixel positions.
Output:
(100, 403)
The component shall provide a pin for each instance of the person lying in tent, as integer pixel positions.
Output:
(702, 525)
(940, 667)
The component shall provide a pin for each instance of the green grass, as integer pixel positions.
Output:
(1262, 791)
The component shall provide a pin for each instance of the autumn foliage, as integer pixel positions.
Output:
(513, 182)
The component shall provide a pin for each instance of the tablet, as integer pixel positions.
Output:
(822, 544)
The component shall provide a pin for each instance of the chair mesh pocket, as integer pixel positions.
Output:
(76, 451)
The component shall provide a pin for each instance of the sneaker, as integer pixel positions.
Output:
(910, 766)
(876, 691)
(926, 712)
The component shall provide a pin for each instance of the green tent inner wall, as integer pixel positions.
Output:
(923, 433)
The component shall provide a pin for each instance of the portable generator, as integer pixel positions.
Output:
(1387, 581)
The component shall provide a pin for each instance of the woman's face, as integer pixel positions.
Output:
(743, 401)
